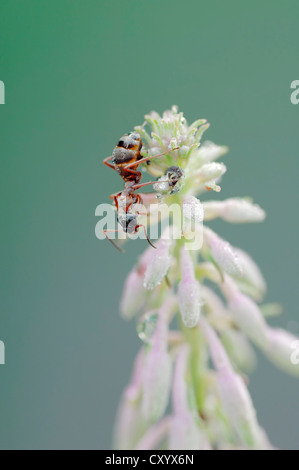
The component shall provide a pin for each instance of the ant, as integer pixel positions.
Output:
(125, 159)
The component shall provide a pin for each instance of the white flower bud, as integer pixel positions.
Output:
(157, 380)
(190, 303)
(239, 407)
(252, 275)
(246, 313)
(283, 350)
(239, 349)
(213, 301)
(222, 253)
(133, 295)
(192, 211)
(193, 216)
(210, 151)
(212, 186)
(158, 265)
(129, 423)
(185, 433)
(239, 210)
(157, 370)
(189, 292)
(271, 309)
(265, 443)
(210, 171)
(234, 210)
(234, 394)
(154, 436)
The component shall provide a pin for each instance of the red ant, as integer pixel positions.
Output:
(125, 159)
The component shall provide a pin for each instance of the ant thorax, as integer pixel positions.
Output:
(127, 197)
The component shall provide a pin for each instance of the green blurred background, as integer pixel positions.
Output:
(79, 74)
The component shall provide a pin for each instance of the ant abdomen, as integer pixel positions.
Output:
(122, 156)
(127, 150)
(127, 221)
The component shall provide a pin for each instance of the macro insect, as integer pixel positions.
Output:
(125, 159)
(169, 183)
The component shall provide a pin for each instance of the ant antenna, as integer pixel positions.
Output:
(141, 225)
(112, 241)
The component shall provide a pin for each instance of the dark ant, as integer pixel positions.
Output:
(125, 159)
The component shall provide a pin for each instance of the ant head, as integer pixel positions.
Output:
(174, 174)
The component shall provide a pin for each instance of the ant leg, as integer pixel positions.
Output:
(112, 241)
(137, 186)
(145, 159)
(135, 173)
(109, 164)
(115, 198)
(116, 201)
(136, 229)
(112, 196)
(142, 213)
(138, 199)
